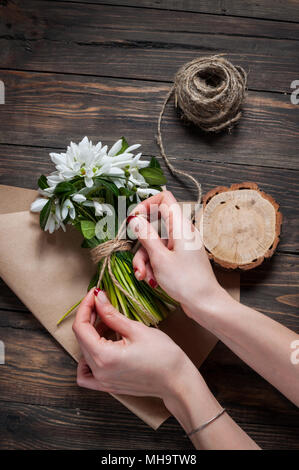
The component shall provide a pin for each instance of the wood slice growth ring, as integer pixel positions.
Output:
(240, 225)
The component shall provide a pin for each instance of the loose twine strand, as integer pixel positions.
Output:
(209, 91)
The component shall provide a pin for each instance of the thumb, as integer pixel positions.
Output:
(110, 316)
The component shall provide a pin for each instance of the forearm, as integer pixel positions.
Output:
(193, 404)
(261, 342)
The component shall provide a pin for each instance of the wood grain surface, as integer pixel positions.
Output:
(103, 68)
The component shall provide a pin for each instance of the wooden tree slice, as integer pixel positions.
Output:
(240, 225)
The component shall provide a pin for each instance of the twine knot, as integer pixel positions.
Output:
(104, 251)
(107, 248)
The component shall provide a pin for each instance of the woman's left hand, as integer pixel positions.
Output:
(144, 362)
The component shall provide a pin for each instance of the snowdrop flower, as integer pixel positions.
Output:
(136, 179)
(129, 161)
(54, 223)
(68, 209)
(38, 204)
(78, 198)
(53, 179)
(117, 147)
(100, 208)
(145, 192)
(83, 159)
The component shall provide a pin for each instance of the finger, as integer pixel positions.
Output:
(150, 277)
(145, 206)
(178, 227)
(85, 332)
(112, 317)
(147, 236)
(139, 263)
(84, 376)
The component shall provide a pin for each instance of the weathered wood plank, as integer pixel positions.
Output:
(41, 373)
(39, 427)
(125, 42)
(38, 376)
(50, 110)
(21, 166)
(275, 9)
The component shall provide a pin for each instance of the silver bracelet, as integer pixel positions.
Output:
(207, 423)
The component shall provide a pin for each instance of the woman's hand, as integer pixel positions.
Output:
(179, 264)
(145, 362)
(183, 270)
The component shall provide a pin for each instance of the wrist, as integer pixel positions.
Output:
(208, 309)
(189, 399)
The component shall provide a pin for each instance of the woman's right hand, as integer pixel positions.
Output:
(179, 264)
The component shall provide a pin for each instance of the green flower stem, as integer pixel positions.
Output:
(69, 311)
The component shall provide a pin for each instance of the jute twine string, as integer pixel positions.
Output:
(104, 251)
(209, 91)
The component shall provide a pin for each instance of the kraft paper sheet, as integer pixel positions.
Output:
(32, 262)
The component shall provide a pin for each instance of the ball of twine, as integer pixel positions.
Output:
(210, 92)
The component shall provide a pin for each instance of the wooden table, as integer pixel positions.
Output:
(103, 68)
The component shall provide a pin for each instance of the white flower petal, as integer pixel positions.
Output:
(115, 171)
(78, 198)
(58, 212)
(133, 147)
(145, 192)
(107, 209)
(88, 204)
(64, 210)
(51, 224)
(72, 213)
(98, 208)
(58, 158)
(115, 148)
(38, 204)
(88, 181)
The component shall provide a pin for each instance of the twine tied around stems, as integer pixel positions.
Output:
(104, 252)
(209, 91)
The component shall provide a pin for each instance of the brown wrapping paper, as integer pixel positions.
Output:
(33, 263)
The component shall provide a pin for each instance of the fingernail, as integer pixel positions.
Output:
(101, 296)
(137, 274)
(96, 291)
(153, 283)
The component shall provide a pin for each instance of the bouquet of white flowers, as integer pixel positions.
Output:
(86, 189)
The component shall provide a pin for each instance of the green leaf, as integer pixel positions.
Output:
(63, 187)
(91, 243)
(153, 176)
(124, 146)
(88, 228)
(154, 163)
(126, 192)
(42, 182)
(44, 215)
(108, 185)
(93, 282)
